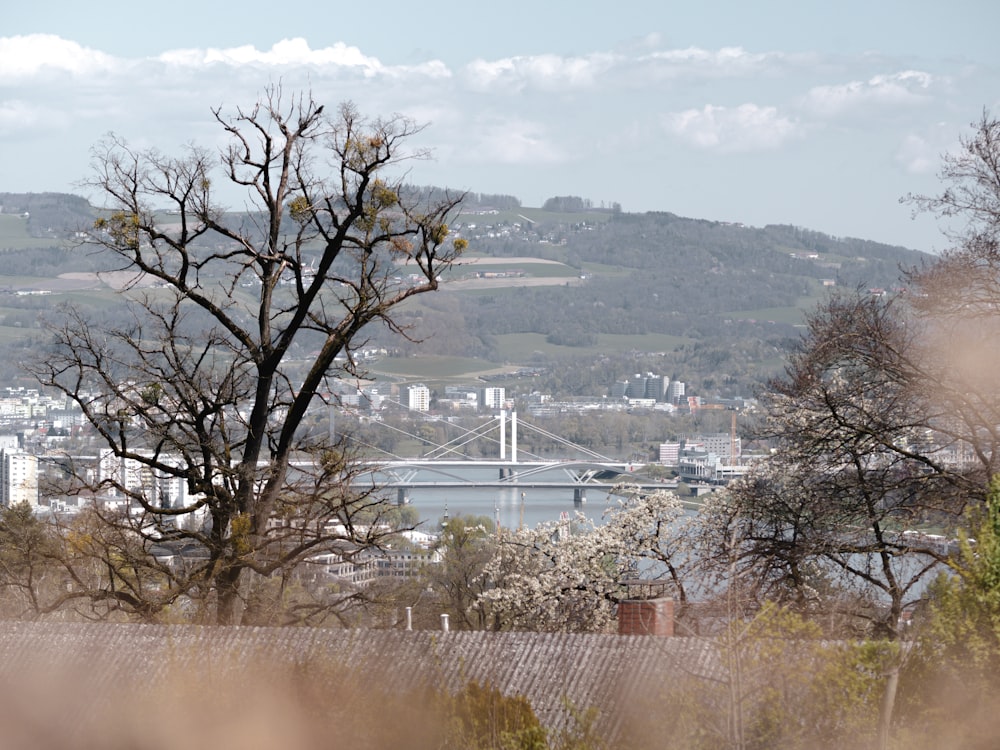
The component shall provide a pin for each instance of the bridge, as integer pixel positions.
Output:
(571, 473)
(446, 467)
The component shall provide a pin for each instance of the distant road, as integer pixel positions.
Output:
(513, 281)
(504, 261)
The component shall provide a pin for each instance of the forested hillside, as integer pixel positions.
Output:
(48, 213)
(732, 296)
(712, 303)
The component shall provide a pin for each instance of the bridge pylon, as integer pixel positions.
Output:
(503, 437)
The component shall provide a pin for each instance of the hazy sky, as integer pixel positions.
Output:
(815, 114)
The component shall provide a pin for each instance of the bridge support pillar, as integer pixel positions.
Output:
(503, 434)
(579, 497)
(507, 472)
(513, 436)
(402, 496)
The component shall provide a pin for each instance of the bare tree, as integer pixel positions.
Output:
(868, 453)
(958, 295)
(885, 424)
(466, 546)
(235, 326)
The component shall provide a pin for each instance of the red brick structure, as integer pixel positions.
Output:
(646, 617)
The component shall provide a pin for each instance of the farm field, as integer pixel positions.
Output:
(435, 368)
(14, 234)
(522, 348)
(790, 315)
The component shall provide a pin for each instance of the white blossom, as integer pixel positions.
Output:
(570, 575)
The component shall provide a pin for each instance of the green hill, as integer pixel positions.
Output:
(571, 296)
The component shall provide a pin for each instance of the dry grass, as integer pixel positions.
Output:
(261, 708)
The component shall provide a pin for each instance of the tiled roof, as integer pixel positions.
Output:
(606, 672)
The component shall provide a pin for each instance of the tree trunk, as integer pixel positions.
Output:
(888, 705)
(227, 590)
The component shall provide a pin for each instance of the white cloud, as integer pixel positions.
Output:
(297, 53)
(893, 90)
(921, 153)
(18, 115)
(732, 129)
(24, 57)
(522, 121)
(514, 140)
(916, 156)
(29, 55)
(539, 71)
(631, 69)
(728, 59)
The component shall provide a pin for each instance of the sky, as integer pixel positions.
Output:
(821, 115)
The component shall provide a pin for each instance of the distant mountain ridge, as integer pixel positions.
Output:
(717, 301)
(49, 212)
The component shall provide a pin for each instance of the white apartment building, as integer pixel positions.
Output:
(669, 453)
(418, 397)
(163, 490)
(493, 397)
(124, 472)
(18, 478)
(18, 408)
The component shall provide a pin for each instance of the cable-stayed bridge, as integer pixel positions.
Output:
(447, 466)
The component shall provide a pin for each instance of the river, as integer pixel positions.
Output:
(509, 505)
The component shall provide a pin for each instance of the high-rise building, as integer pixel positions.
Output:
(493, 397)
(636, 387)
(648, 386)
(158, 488)
(124, 473)
(418, 397)
(669, 453)
(675, 391)
(655, 386)
(18, 478)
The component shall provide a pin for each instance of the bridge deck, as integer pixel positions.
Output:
(526, 485)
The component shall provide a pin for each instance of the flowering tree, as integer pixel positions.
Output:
(569, 575)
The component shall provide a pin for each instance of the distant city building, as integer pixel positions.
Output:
(669, 453)
(701, 466)
(170, 491)
(372, 397)
(493, 397)
(351, 400)
(462, 396)
(418, 397)
(123, 472)
(655, 387)
(675, 391)
(639, 386)
(18, 478)
(158, 488)
(722, 444)
(636, 387)
(642, 403)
